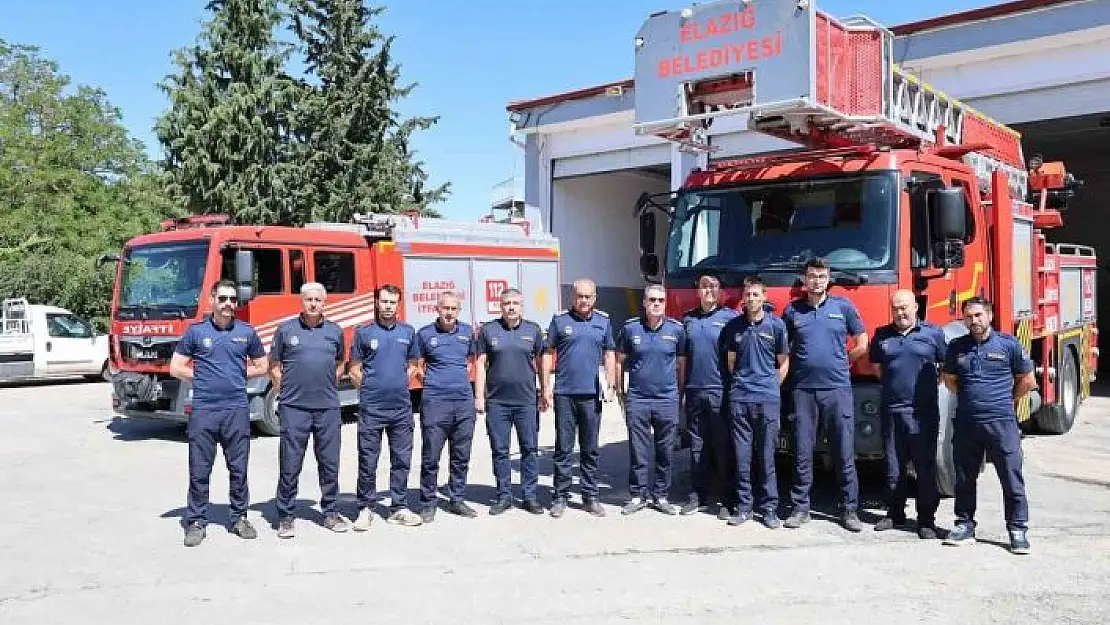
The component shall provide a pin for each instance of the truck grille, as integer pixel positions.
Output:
(147, 350)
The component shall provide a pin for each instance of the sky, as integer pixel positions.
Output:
(470, 60)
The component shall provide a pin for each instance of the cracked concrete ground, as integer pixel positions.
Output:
(91, 535)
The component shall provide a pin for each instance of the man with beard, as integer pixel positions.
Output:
(383, 360)
(651, 349)
(818, 325)
(213, 355)
(758, 359)
(988, 370)
(446, 347)
(908, 353)
(306, 361)
(510, 353)
(710, 448)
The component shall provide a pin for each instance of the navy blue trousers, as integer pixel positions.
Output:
(711, 450)
(1001, 441)
(297, 424)
(451, 422)
(911, 435)
(230, 429)
(651, 424)
(500, 420)
(834, 411)
(755, 435)
(399, 426)
(576, 416)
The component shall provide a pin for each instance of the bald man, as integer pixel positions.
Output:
(908, 353)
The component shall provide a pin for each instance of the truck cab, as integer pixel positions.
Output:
(39, 342)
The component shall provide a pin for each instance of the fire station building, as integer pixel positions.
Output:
(1039, 66)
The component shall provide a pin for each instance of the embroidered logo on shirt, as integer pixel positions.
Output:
(239, 339)
(295, 341)
(996, 356)
(494, 341)
(767, 336)
(835, 316)
(462, 338)
(636, 340)
(373, 343)
(568, 330)
(669, 337)
(433, 342)
(207, 342)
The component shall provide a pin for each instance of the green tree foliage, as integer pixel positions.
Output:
(356, 147)
(247, 137)
(227, 135)
(73, 184)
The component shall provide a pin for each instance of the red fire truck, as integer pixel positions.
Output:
(163, 279)
(895, 184)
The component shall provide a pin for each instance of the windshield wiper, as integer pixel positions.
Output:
(854, 276)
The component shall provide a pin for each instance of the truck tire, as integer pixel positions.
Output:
(946, 468)
(270, 423)
(1058, 418)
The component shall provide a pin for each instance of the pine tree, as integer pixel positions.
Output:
(227, 135)
(356, 148)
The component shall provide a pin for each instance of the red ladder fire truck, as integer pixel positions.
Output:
(897, 186)
(163, 279)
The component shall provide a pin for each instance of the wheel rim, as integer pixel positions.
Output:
(1070, 388)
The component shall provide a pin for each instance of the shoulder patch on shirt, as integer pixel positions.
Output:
(602, 313)
(631, 320)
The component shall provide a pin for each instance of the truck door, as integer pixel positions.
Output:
(70, 345)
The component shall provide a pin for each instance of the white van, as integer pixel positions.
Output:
(43, 342)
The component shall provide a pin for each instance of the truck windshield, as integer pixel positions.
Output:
(162, 281)
(850, 221)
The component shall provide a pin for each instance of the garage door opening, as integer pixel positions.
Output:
(593, 217)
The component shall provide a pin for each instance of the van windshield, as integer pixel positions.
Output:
(850, 221)
(163, 280)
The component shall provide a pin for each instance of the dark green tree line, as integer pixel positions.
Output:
(73, 185)
(248, 136)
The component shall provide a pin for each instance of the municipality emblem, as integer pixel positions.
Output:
(433, 342)
(373, 343)
(295, 341)
(636, 340)
(207, 342)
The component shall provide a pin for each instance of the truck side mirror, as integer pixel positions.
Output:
(948, 226)
(244, 275)
(647, 233)
(649, 265)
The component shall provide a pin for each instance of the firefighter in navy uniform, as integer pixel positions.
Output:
(582, 340)
(651, 349)
(988, 370)
(219, 347)
(446, 347)
(908, 353)
(510, 354)
(383, 359)
(819, 325)
(710, 448)
(758, 358)
(306, 361)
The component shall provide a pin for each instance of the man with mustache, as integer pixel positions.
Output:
(213, 355)
(989, 371)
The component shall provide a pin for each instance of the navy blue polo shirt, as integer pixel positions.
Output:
(511, 360)
(986, 371)
(757, 345)
(385, 353)
(704, 366)
(909, 364)
(818, 338)
(445, 357)
(308, 357)
(651, 358)
(579, 345)
(220, 362)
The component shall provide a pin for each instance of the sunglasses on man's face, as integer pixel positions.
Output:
(223, 299)
(656, 300)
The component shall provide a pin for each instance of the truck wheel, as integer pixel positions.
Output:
(270, 423)
(946, 467)
(1058, 418)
